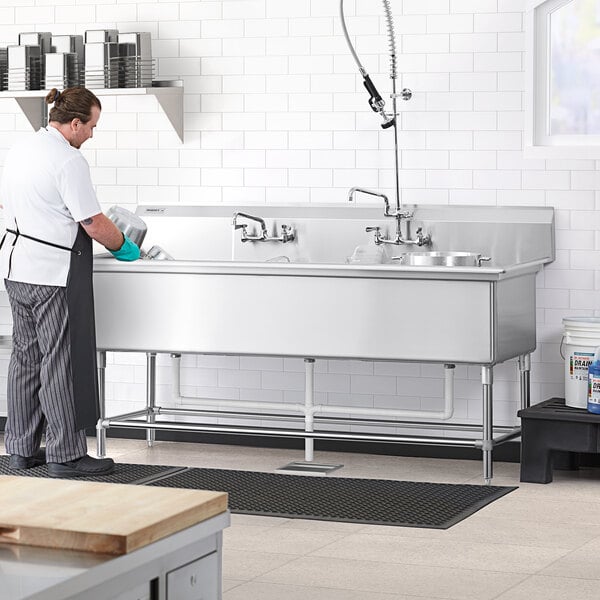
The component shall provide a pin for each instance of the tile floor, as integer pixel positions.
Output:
(539, 542)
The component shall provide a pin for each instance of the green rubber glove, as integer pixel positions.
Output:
(128, 251)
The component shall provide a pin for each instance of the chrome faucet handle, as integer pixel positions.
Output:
(287, 234)
(377, 231)
(423, 240)
(244, 228)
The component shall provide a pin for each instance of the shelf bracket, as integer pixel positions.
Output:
(172, 105)
(168, 93)
(35, 109)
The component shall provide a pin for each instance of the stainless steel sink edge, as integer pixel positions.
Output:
(316, 269)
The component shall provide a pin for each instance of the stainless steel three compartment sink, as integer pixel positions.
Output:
(439, 306)
(434, 306)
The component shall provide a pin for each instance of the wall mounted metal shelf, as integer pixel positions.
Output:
(169, 95)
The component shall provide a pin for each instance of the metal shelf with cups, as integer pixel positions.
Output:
(109, 62)
(168, 93)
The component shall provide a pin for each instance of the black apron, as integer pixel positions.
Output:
(82, 326)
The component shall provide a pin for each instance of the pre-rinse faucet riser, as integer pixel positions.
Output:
(376, 102)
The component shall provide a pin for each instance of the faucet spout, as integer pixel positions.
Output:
(261, 222)
(381, 195)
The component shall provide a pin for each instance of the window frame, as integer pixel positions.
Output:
(538, 142)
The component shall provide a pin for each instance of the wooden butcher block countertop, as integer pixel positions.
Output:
(110, 518)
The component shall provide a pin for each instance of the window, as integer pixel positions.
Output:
(563, 95)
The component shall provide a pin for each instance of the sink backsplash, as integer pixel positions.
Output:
(331, 233)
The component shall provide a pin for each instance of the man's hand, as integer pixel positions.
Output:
(127, 252)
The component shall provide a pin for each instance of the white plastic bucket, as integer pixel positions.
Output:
(580, 339)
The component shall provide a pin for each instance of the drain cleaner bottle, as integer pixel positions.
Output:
(593, 404)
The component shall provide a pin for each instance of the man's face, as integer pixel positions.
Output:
(80, 131)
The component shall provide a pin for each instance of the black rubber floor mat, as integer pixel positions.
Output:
(372, 501)
(123, 473)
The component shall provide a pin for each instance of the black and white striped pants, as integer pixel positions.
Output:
(40, 387)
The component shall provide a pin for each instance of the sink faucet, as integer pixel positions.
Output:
(287, 233)
(398, 214)
(244, 226)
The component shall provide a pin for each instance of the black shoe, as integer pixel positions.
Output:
(18, 463)
(86, 466)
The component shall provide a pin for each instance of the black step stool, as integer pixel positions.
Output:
(551, 428)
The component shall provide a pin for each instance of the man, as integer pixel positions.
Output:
(51, 216)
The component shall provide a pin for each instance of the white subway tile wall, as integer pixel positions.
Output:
(276, 112)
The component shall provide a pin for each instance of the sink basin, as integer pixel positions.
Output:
(440, 259)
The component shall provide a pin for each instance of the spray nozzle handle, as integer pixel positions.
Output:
(376, 102)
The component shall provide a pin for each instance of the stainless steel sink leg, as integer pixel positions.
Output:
(524, 379)
(100, 431)
(100, 439)
(150, 395)
(309, 392)
(487, 380)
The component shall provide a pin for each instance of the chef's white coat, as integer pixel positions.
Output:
(46, 190)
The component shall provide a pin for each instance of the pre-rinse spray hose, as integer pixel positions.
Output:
(376, 102)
